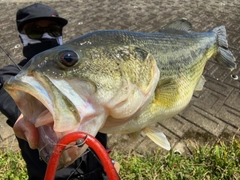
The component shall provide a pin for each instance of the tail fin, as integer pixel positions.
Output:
(224, 56)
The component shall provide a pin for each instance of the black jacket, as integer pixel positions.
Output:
(87, 167)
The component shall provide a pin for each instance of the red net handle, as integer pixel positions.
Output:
(92, 143)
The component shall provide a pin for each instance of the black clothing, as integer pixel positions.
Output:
(32, 49)
(89, 169)
(7, 105)
(37, 11)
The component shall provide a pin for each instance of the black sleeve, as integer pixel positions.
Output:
(7, 106)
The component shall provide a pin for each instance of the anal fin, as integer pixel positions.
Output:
(157, 136)
(134, 135)
(200, 84)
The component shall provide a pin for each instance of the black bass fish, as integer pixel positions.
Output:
(115, 82)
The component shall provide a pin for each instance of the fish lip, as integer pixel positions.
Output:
(21, 92)
(46, 95)
(24, 96)
(35, 94)
(48, 138)
(28, 92)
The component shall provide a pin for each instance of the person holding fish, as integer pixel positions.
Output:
(40, 28)
(111, 81)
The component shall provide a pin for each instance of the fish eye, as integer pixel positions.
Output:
(68, 57)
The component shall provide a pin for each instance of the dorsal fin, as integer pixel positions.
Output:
(178, 26)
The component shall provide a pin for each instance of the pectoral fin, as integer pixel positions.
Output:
(166, 94)
(139, 77)
(157, 136)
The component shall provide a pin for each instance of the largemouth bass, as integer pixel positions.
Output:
(115, 82)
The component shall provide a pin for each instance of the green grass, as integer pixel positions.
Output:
(218, 161)
(12, 166)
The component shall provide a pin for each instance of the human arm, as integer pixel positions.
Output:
(7, 105)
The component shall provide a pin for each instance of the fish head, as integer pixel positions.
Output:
(74, 88)
(51, 95)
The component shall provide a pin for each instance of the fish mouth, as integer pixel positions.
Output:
(53, 114)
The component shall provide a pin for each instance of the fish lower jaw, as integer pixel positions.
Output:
(70, 154)
(49, 139)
